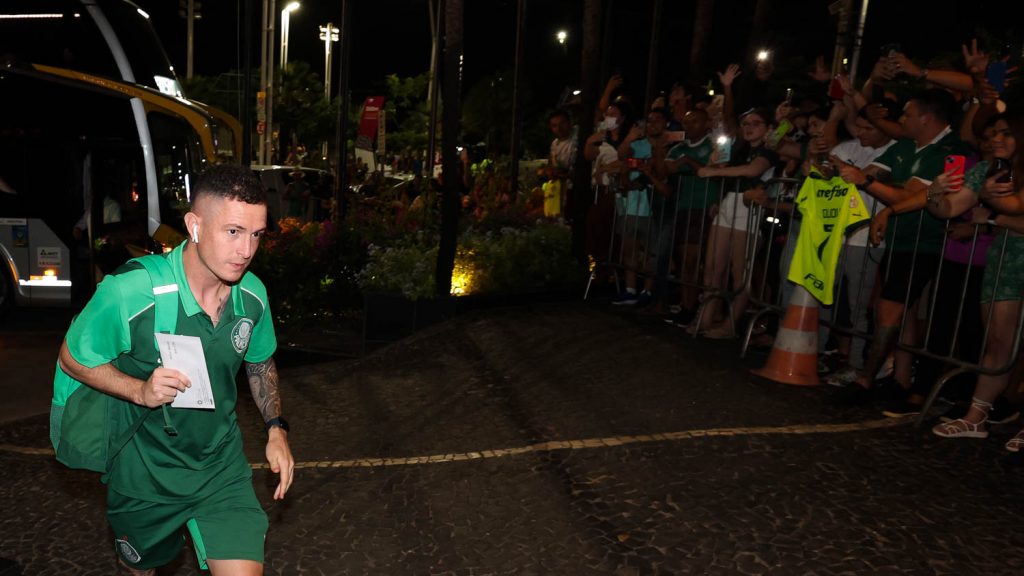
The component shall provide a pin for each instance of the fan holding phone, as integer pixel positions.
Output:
(991, 182)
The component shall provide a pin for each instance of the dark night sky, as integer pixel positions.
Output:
(393, 36)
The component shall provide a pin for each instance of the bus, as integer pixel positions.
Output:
(97, 146)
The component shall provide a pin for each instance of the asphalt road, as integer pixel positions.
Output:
(569, 439)
(29, 342)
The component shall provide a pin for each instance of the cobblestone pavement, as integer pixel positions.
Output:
(569, 439)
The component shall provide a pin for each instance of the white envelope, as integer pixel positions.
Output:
(185, 354)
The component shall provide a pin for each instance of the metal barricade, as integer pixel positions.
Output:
(953, 351)
(779, 219)
(649, 228)
(651, 233)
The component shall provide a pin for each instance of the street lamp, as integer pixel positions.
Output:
(328, 35)
(562, 36)
(285, 22)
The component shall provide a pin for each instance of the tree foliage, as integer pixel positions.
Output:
(407, 112)
(300, 107)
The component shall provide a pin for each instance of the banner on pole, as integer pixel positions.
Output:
(373, 109)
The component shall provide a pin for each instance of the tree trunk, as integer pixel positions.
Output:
(341, 131)
(582, 196)
(703, 19)
(452, 178)
(517, 98)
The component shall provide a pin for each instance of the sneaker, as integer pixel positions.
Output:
(681, 318)
(644, 299)
(829, 362)
(889, 389)
(626, 298)
(842, 377)
(901, 408)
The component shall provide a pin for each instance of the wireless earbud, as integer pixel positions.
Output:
(195, 234)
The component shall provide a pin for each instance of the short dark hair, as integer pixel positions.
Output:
(892, 109)
(229, 182)
(699, 112)
(559, 112)
(663, 111)
(938, 103)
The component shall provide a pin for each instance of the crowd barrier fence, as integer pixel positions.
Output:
(671, 238)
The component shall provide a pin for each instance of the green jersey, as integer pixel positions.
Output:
(905, 161)
(692, 192)
(116, 327)
(830, 208)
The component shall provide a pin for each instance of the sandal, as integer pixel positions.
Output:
(961, 428)
(1016, 443)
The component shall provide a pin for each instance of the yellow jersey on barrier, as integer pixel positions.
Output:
(830, 209)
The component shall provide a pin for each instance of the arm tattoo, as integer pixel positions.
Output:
(263, 384)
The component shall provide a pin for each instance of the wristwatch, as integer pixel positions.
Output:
(280, 422)
(868, 181)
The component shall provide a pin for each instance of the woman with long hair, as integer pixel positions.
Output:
(991, 190)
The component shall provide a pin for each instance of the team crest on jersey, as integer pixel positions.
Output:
(240, 335)
(126, 550)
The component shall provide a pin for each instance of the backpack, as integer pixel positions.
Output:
(83, 428)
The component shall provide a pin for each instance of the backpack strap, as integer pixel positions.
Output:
(165, 308)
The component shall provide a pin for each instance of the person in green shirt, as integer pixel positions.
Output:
(899, 178)
(196, 474)
(692, 199)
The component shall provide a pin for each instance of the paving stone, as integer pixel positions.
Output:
(569, 439)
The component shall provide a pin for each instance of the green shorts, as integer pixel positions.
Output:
(1010, 282)
(228, 525)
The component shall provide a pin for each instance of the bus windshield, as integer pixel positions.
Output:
(67, 34)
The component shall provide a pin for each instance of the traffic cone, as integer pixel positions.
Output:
(794, 356)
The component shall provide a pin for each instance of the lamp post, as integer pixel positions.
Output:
(264, 99)
(329, 35)
(562, 36)
(285, 24)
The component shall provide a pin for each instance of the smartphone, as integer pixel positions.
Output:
(835, 89)
(1001, 165)
(634, 163)
(955, 165)
(789, 95)
(723, 145)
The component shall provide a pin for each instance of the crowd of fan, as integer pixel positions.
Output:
(939, 266)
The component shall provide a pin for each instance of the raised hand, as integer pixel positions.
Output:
(975, 60)
(732, 72)
(821, 73)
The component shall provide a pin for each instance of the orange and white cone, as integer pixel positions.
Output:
(794, 356)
